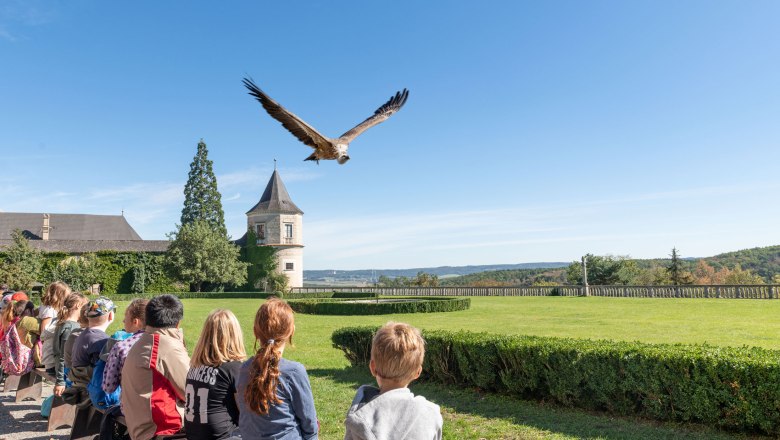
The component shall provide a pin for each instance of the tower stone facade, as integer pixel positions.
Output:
(277, 222)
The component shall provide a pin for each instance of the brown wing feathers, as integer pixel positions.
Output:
(380, 115)
(295, 125)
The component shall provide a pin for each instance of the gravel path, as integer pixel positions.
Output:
(23, 420)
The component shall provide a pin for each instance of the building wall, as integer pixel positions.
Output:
(295, 257)
(275, 235)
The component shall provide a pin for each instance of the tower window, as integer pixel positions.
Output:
(289, 266)
(260, 231)
(288, 230)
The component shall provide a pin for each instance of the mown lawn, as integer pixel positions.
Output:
(469, 414)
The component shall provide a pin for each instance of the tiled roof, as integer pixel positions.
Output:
(77, 233)
(275, 198)
(68, 226)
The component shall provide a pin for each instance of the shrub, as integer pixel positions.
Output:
(728, 387)
(196, 295)
(323, 295)
(344, 306)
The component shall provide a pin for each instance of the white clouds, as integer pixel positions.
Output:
(24, 13)
(642, 225)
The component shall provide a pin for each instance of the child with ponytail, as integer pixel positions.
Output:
(67, 322)
(274, 394)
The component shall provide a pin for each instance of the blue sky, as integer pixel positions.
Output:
(534, 131)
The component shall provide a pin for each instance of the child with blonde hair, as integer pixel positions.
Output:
(274, 394)
(51, 303)
(211, 411)
(392, 412)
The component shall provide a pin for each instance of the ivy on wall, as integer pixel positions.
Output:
(116, 272)
(261, 273)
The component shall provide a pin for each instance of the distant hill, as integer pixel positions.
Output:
(764, 261)
(370, 275)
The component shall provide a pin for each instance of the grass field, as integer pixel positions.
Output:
(469, 414)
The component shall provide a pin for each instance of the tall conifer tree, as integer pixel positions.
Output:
(202, 200)
(675, 268)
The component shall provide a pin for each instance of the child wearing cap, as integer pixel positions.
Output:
(89, 344)
(392, 411)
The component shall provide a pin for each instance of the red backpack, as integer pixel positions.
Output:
(17, 358)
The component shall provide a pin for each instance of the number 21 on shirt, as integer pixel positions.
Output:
(202, 400)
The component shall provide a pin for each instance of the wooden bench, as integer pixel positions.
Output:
(28, 386)
(62, 413)
(11, 384)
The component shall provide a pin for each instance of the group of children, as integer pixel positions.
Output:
(219, 393)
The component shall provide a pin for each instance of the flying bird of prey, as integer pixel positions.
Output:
(325, 148)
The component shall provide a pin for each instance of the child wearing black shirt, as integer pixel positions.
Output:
(210, 411)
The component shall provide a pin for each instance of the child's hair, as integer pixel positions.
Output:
(55, 294)
(73, 301)
(137, 309)
(397, 350)
(220, 341)
(274, 326)
(16, 309)
(164, 311)
(83, 320)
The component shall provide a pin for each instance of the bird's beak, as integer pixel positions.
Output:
(343, 159)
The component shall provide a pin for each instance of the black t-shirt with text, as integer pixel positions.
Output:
(210, 410)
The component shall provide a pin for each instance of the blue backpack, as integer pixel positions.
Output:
(101, 399)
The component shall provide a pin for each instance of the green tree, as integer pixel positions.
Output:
(604, 270)
(202, 200)
(21, 264)
(742, 276)
(198, 254)
(675, 270)
(262, 273)
(425, 280)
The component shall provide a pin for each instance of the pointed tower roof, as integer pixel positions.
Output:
(275, 198)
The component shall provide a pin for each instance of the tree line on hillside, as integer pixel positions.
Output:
(752, 266)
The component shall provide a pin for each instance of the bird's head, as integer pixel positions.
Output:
(342, 159)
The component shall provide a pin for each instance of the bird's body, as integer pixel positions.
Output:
(325, 148)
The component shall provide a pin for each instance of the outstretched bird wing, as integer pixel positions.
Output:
(380, 115)
(295, 125)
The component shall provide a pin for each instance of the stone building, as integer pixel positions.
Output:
(277, 222)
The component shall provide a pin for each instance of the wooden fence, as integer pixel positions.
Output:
(720, 291)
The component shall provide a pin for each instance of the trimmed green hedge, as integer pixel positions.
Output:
(328, 295)
(196, 295)
(728, 387)
(342, 306)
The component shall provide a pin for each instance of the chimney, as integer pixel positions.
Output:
(45, 229)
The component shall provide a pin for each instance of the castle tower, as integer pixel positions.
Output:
(278, 222)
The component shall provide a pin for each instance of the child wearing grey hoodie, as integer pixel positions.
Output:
(391, 411)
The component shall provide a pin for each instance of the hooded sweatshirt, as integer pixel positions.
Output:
(393, 415)
(153, 380)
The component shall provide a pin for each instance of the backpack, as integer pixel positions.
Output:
(101, 399)
(17, 358)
